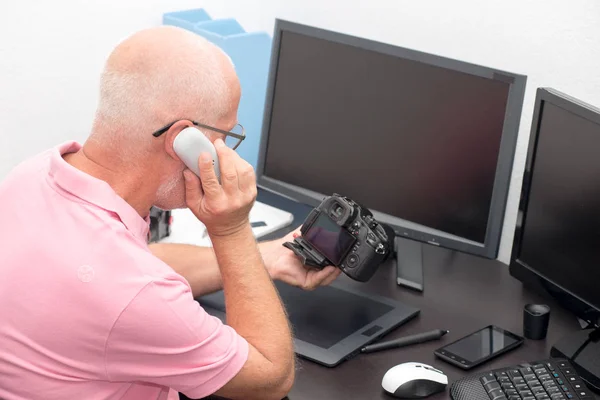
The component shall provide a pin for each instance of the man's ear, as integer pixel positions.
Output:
(171, 134)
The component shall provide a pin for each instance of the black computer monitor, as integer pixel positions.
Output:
(557, 238)
(425, 142)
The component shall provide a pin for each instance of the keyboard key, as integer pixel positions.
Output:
(553, 390)
(502, 374)
(518, 381)
(497, 395)
(504, 379)
(522, 387)
(571, 378)
(577, 385)
(558, 396)
(538, 391)
(508, 386)
(511, 392)
(526, 393)
(542, 397)
(514, 373)
(544, 378)
(530, 377)
(487, 378)
(540, 371)
(517, 397)
(550, 366)
(583, 394)
(563, 365)
(538, 366)
(529, 398)
(568, 372)
(491, 386)
(526, 371)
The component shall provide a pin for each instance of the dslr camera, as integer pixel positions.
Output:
(340, 232)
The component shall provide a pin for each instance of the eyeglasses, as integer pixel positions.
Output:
(233, 138)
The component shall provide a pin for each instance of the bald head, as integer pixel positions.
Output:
(160, 75)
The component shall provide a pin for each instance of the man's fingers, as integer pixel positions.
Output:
(322, 277)
(246, 176)
(332, 277)
(208, 178)
(296, 233)
(227, 165)
(193, 190)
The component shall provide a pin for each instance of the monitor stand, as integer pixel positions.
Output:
(582, 349)
(409, 263)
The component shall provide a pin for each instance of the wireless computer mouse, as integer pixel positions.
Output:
(414, 381)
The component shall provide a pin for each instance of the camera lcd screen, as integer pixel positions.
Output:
(329, 238)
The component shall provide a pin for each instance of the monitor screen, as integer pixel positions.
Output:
(405, 138)
(560, 231)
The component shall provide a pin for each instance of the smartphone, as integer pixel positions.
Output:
(479, 347)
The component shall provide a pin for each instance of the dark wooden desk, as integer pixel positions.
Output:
(462, 293)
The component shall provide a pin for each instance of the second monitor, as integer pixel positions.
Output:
(425, 142)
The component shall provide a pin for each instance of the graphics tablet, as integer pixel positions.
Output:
(331, 323)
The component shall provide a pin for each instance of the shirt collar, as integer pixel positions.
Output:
(94, 190)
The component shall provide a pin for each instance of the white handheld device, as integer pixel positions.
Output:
(413, 380)
(188, 146)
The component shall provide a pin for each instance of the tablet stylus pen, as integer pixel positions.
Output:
(405, 341)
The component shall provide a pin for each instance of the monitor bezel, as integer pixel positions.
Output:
(403, 228)
(518, 268)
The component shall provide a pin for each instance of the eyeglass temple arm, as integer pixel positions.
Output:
(212, 128)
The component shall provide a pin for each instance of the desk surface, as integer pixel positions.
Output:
(462, 293)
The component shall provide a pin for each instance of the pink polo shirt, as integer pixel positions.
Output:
(86, 310)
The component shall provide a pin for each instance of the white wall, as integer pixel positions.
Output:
(51, 52)
(51, 55)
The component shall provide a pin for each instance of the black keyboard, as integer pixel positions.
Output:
(553, 379)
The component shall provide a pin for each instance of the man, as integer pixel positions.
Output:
(88, 310)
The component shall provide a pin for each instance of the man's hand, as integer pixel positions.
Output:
(283, 265)
(254, 309)
(222, 208)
